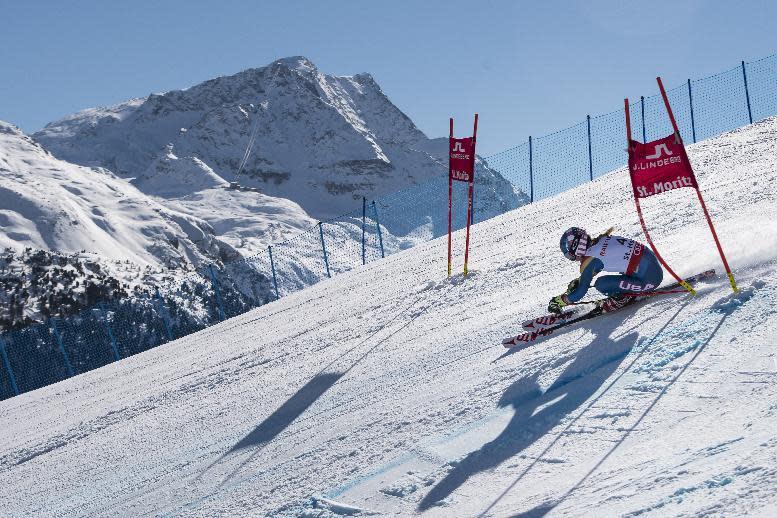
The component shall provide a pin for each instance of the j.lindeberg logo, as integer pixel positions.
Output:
(659, 149)
(457, 148)
(655, 160)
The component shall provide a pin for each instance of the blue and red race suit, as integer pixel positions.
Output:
(638, 267)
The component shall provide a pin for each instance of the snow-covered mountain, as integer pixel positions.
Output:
(286, 129)
(385, 391)
(47, 203)
(243, 217)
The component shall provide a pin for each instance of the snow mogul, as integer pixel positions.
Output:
(639, 270)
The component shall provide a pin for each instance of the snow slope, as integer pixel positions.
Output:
(243, 217)
(50, 204)
(385, 390)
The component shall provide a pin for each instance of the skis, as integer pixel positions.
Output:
(545, 325)
(544, 322)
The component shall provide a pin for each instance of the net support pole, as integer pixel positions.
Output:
(590, 153)
(690, 104)
(450, 202)
(104, 313)
(698, 191)
(216, 292)
(641, 217)
(8, 369)
(323, 248)
(747, 93)
(60, 343)
(469, 195)
(163, 313)
(377, 226)
(274, 277)
(531, 173)
(364, 230)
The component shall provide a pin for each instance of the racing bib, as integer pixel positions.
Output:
(619, 254)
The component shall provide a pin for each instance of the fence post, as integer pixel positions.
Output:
(531, 173)
(58, 336)
(364, 222)
(642, 104)
(323, 248)
(217, 292)
(110, 331)
(274, 279)
(162, 308)
(590, 156)
(747, 93)
(690, 101)
(8, 367)
(377, 224)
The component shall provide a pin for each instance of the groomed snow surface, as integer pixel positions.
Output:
(386, 390)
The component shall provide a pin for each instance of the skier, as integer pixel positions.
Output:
(638, 267)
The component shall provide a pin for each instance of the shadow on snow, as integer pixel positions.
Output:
(279, 420)
(537, 412)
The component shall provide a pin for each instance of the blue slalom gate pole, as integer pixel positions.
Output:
(8, 367)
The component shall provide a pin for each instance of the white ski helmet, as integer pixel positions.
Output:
(574, 243)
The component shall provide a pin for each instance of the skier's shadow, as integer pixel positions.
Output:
(251, 446)
(537, 412)
(279, 420)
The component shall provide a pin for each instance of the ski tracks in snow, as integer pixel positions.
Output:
(641, 375)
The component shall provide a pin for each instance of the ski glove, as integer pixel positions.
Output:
(573, 286)
(557, 303)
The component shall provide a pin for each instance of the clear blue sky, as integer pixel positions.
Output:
(528, 68)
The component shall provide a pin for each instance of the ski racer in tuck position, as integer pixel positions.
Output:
(638, 267)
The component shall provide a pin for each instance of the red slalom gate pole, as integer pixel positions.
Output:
(669, 111)
(698, 191)
(450, 202)
(717, 242)
(469, 197)
(641, 217)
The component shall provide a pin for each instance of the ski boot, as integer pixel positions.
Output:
(613, 303)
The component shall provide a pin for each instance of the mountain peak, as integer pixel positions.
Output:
(296, 63)
(10, 129)
(287, 129)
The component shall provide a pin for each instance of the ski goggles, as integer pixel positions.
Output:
(576, 247)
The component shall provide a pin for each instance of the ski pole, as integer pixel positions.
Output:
(648, 294)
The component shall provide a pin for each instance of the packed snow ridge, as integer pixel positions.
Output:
(386, 391)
